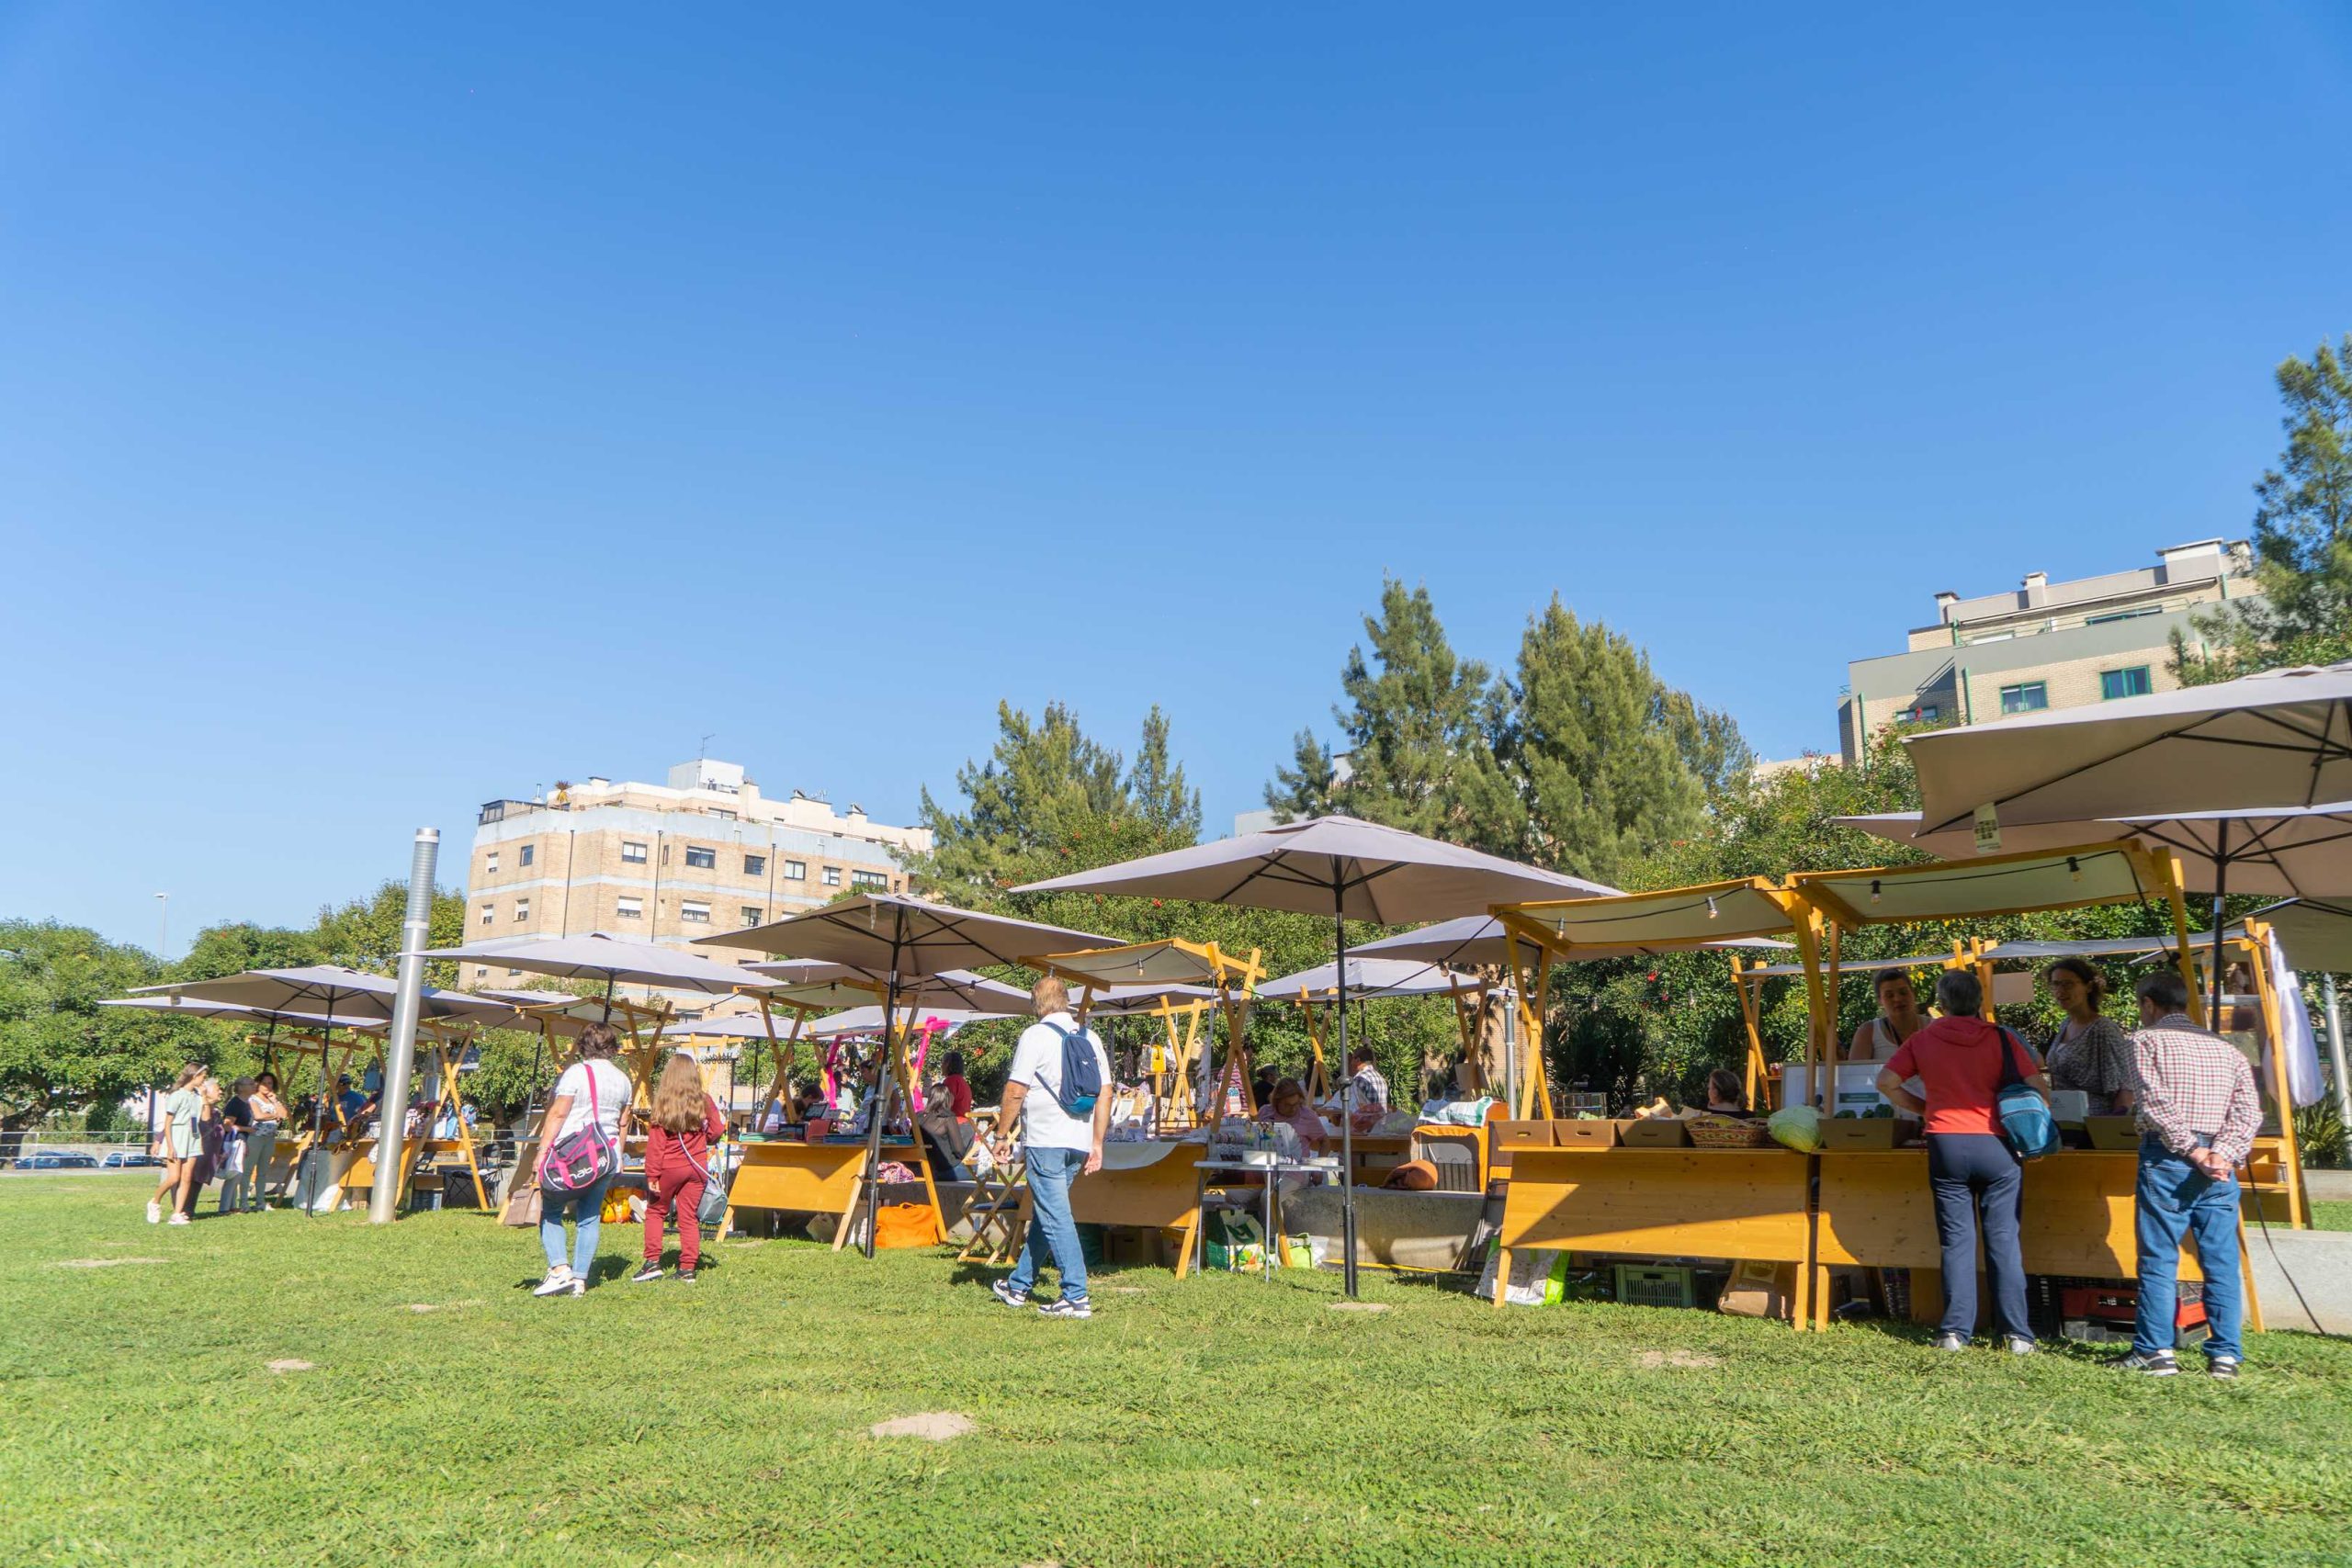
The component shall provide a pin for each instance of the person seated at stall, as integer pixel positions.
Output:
(1261, 1087)
(2089, 1052)
(1962, 1061)
(1898, 1019)
(1287, 1105)
(1727, 1095)
(1371, 1086)
(350, 1105)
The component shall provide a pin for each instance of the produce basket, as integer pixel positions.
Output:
(1725, 1132)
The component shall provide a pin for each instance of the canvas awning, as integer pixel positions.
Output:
(2293, 851)
(1852, 968)
(1669, 920)
(1480, 939)
(1371, 978)
(2111, 872)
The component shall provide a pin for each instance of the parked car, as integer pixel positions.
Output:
(67, 1161)
(122, 1160)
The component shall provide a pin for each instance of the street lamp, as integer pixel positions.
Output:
(164, 935)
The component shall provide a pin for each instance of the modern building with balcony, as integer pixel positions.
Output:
(2045, 644)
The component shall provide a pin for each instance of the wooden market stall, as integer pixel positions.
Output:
(1873, 1207)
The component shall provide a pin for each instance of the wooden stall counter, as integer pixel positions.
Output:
(1749, 1204)
(817, 1179)
(2077, 1218)
(1153, 1186)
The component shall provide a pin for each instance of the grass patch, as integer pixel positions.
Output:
(1218, 1421)
(2335, 1215)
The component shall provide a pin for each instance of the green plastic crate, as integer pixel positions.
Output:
(1643, 1285)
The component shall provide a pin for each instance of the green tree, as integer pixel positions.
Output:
(365, 932)
(2302, 536)
(1609, 763)
(1157, 788)
(1047, 789)
(59, 1050)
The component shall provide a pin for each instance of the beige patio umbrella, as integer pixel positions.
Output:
(1348, 868)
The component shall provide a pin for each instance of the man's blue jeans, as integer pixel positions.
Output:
(2176, 1198)
(590, 1208)
(1051, 1229)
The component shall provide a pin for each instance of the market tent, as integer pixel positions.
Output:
(898, 939)
(195, 1007)
(1670, 920)
(1480, 939)
(2282, 738)
(1370, 977)
(615, 961)
(1340, 866)
(2111, 872)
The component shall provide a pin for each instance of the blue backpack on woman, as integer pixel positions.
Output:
(2026, 1126)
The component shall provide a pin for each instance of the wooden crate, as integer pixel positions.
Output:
(1655, 1133)
(1586, 1134)
(2112, 1131)
(1522, 1135)
(1858, 1133)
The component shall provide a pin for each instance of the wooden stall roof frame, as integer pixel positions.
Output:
(1175, 960)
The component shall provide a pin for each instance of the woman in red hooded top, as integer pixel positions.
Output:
(1961, 1061)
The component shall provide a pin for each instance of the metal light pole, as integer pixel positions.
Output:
(163, 929)
(2335, 1053)
(383, 1198)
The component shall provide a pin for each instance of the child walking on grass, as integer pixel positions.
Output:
(677, 1165)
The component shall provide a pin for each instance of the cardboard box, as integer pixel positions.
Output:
(1760, 1290)
(1655, 1133)
(2112, 1131)
(1586, 1134)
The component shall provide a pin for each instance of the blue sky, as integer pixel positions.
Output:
(398, 411)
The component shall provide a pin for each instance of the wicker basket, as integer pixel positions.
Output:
(1727, 1132)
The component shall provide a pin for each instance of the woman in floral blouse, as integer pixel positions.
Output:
(2089, 1052)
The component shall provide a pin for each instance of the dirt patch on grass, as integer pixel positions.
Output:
(440, 1307)
(290, 1365)
(105, 1262)
(1690, 1361)
(931, 1427)
(1359, 1306)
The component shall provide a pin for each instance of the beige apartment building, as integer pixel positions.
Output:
(668, 862)
(2045, 644)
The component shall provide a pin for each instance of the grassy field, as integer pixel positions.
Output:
(446, 1416)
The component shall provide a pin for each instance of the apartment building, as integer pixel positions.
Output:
(669, 862)
(2045, 644)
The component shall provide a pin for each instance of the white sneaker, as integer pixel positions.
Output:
(155, 1213)
(178, 1220)
(558, 1282)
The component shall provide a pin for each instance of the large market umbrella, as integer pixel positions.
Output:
(2296, 851)
(898, 940)
(615, 961)
(1481, 939)
(2283, 738)
(1368, 977)
(1348, 869)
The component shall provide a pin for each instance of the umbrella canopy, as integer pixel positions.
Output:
(1372, 873)
(193, 1007)
(869, 1021)
(335, 995)
(1126, 1002)
(2282, 738)
(1370, 978)
(2290, 852)
(613, 960)
(2315, 933)
(2111, 873)
(804, 983)
(897, 937)
(1480, 939)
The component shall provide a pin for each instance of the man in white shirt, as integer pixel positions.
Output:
(1060, 1143)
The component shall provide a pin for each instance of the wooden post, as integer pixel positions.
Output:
(2256, 942)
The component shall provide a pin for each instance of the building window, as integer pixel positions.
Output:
(2122, 616)
(869, 880)
(481, 972)
(1923, 713)
(694, 912)
(716, 811)
(632, 852)
(751, 914)
(795, 871)
(629, 907)
(2030, 697)
(700, 859)
(490, 865)
(832, 877)
(2132, 683)
(522, 910)
(755, 865)
(489, 913)
(510, 973)
(524, 855)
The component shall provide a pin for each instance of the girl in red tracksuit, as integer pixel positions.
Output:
(686, 1125)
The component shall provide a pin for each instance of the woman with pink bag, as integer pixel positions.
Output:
(579, 1146)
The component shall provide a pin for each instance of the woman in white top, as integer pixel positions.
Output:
(1898, 1019)
(592, 1087)
(179, 1140)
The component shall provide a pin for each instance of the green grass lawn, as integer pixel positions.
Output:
(1223, 1420)
(2332, 1216)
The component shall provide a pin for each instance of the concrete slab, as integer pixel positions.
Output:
(2329, 1186)
(2320, 1265)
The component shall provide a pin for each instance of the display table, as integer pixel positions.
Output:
(2077, 1218)
(815, 1178)
(1154, 1185)
(1747, 1204)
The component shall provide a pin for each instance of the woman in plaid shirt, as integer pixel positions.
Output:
(2198, 1112)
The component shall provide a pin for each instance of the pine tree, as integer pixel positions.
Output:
(1308, 786)
(1157, 787)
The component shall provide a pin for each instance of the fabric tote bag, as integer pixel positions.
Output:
(581, 1159)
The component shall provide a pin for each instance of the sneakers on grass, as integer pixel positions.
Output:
(177, 1220)
(2020, 1345)
(685, 1276)
(646, 1275)
(558, 1282)
(2150, 1364)
(1002, 1291)
(155, 1213)
(1952, 1342)
(1065, 1307)
(2223, 1367)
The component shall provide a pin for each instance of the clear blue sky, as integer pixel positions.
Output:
(399, 409)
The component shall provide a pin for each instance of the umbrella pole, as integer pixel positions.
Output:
(611, 979)
(2220, 888)
(1347, 1104)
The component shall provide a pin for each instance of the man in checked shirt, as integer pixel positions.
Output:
(2198, 1113)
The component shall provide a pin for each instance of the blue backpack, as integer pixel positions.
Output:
(2026, 1126)
(1081, 1084)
